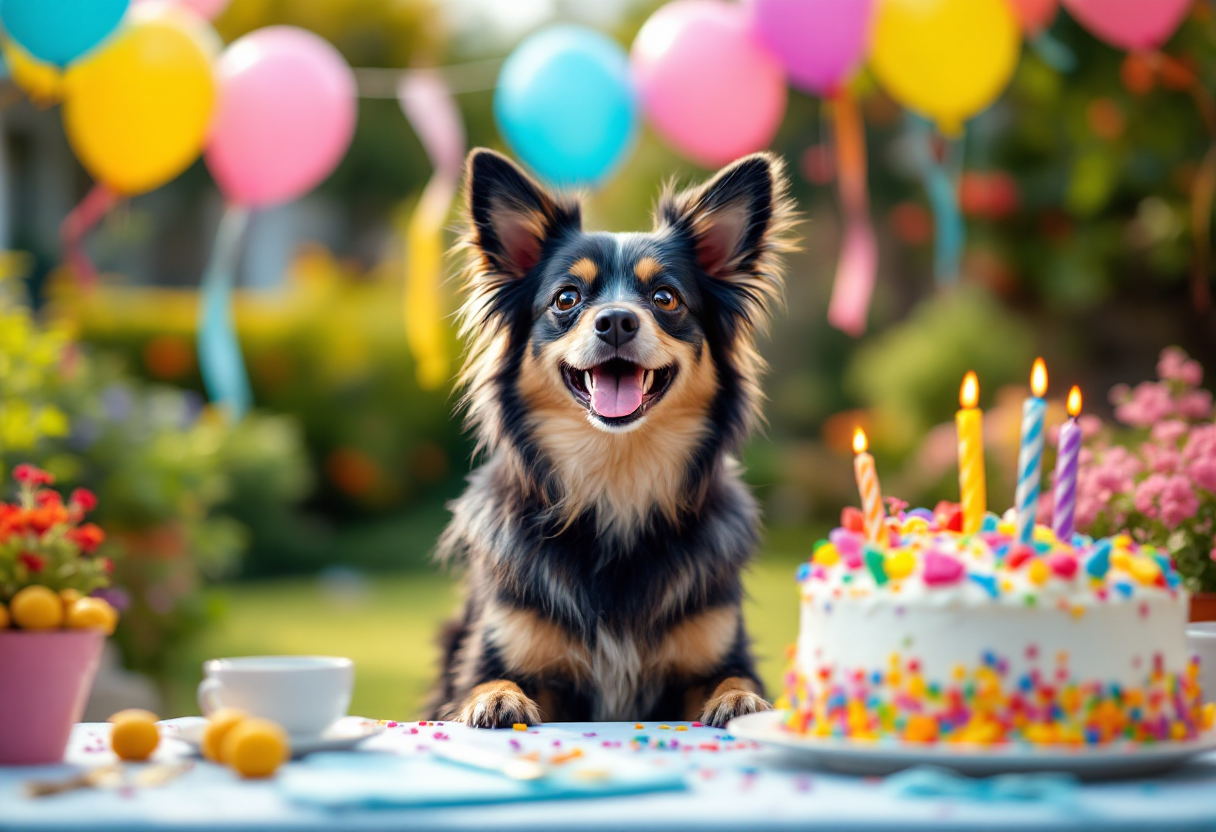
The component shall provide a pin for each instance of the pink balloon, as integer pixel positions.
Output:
(1034, 15)
(285, 117)
(1134, 25)
(819, 42)
(206, 9)
(706, 85)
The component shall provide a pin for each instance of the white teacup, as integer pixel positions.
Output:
(1201, 642)
(304, 694)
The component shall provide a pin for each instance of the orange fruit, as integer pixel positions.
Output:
(92, 613)
(37, 608)
(256, 747)
(135, 734)
(218, 726)
(5, 619)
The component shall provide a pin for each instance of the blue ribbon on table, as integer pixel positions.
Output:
(940, 179)
(1052, 788)
(219, 351)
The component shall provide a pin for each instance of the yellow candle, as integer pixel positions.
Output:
(867, 484)
(972, 485)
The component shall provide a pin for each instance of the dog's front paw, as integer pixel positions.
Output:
(498, 705)
(734, 697)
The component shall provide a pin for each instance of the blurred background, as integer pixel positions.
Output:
(307, 526)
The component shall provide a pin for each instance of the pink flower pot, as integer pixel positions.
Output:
(45, 678)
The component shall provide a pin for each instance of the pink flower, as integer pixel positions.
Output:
(1147, 493)
(1150, 402)
(1163, 459)
(1176, 365)
(1178, 502)
(1203, 473)
(1169, 431)
(1091, 425)
(1195, 404)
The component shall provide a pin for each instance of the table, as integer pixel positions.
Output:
(730, 785)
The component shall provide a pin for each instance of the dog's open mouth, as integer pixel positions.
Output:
(618, 391)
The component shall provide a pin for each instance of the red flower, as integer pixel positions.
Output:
(88, 537)
(27, 474)
(46, 497)
(84, 499)
(12, 520)
(107, 565)
(34, 563)
(46, 517)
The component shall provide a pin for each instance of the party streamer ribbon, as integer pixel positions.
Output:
(219, 351)
(77, 224)
(941, 186)
(1053, 52)
(428, 105)
(858, 264)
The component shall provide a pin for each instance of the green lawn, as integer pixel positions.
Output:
(388, 626)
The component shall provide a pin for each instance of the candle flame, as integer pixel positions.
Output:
(969, 394)
(1038, 378)
(859, 441)
(1074, 402)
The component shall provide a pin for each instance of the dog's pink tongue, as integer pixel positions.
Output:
(615, 395)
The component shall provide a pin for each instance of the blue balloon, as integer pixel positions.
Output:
(60, 31)
(566, 105)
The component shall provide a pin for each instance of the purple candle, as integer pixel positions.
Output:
(1066, 469)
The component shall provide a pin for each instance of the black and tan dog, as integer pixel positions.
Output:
(609, 380)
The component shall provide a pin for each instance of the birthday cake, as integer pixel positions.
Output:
(934, 635)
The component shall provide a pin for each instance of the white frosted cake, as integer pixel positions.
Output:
(941, 636)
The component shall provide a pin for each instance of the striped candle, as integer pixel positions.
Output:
(1030, 453)
(1067, 457)
(867, 484)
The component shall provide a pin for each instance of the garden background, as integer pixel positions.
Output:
(307, 527)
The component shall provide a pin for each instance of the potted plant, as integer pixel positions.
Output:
(51, 629)
(1153, 474)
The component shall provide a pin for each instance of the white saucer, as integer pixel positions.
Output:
(344, 734)
(881, 757)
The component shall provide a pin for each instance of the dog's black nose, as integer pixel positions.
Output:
(616, 326)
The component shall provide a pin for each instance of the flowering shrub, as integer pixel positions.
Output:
(1155, 476)
(45, 542)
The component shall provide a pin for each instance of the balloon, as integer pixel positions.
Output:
(285, 119)
(206, 9)
(705, 83)
(566, 105)
(136, 113)
(41, 81)
(60, 31)
(819, 42)
(945, 59)
(1134, 25)
(1034, 15)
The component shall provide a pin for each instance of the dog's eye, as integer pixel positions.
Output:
(566, 299)
(666, 300)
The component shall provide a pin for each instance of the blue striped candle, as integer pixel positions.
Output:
(1030, 453)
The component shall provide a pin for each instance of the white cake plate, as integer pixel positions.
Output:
(882, 757)
(344, 734)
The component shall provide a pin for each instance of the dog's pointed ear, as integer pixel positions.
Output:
(736, 222)
(511, 217)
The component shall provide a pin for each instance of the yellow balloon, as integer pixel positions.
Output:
(138, 111)
(945, 59)
(41, 81)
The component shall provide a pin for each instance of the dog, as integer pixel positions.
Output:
(609, 379)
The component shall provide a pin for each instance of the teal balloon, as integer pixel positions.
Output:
(565, 103)
(60, 31)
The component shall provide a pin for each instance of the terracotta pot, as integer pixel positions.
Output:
(46, 681)
(1203, 606)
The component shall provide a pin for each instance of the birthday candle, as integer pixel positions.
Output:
(972, 486)
(1066, 469)
(1030, 454)
(867, 484)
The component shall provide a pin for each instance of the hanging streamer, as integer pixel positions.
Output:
(77, 224)
(428, 105)
(1055, 53)
(219, 351)
(858, 264)
(941, 186)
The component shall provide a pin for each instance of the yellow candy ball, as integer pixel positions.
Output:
(135, 734)
(92, 613)
(826, 555)
(36, 608)
(256, 747)
(899, 565)
(1038, 572)
(218, 726)
(4, 617)
(915, 524)
(1144, 570)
